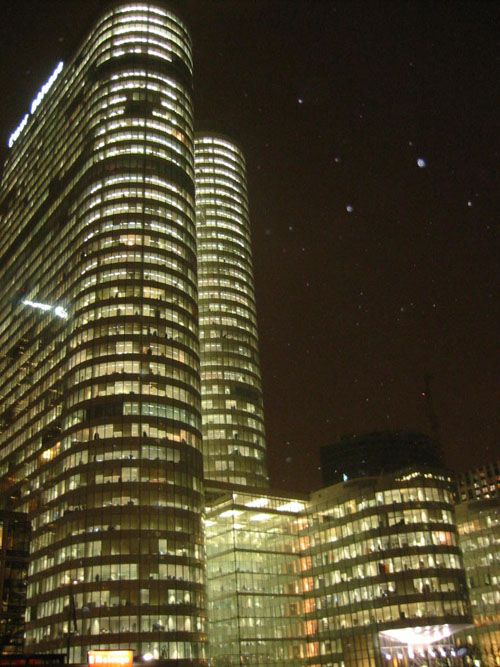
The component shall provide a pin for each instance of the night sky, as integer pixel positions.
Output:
(371, 271)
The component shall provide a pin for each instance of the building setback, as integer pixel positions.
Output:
(100, 403)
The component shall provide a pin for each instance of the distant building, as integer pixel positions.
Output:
(478, 523)
(481, 482)
(14, 551)
(377, 453)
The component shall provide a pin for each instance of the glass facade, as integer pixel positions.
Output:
(233, 420)
(14, 551)
(255, 601)
(478, 525)
(383, 577)
(100, 409)
(130, 374)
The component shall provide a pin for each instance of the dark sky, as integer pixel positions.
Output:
(334, 103)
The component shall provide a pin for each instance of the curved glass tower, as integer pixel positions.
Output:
(233, 421)
(100, 416)
(383, 577)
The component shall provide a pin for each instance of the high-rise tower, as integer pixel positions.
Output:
(99, 382)
(233, 420)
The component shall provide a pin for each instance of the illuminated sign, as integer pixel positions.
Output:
(36, 103)
(32, 660)
(58, 310)
(18, 130)
(423, 636)
(111, 658)
(46, 87)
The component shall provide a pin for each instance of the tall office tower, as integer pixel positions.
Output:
(233, 420)
(99, 382)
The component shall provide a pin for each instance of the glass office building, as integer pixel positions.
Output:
(233, 420)
(384, 582)
(254, 584)
(99, 382)
(114, 366)
(478, 523)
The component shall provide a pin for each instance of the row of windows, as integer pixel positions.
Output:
(132, 430)
(117, 219)
(228, 404)
(216, 187)
(127, 387)
(168, 27)
(165, 650)
(346, 571)
(218, 156)
(127, 624)
(99, 500)
(366, 547)
(132, 348)
(163, 329)
(392, 613)
(218, 217)
(145, 524)
(127, 572)
(145, 241)
(142, 368)
(379, 522)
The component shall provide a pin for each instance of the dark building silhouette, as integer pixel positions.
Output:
(480, 483)
(14, 550)
(378, 453)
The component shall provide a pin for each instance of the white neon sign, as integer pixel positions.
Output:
(18, 130)
(36, 103)
(46, 87)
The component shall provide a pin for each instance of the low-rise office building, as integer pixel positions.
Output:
(254, 583)
(478, 524)
(365, 573)
(385, 582)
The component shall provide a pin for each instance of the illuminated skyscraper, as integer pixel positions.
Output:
(99, 382)
(233, 420)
